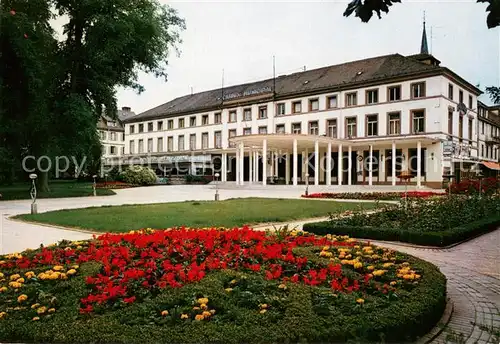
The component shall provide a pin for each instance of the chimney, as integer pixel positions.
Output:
(126, 108)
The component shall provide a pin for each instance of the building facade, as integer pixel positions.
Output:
(489, 137)
(112, 135)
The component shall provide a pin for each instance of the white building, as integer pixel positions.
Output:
(407, 107)
(489, 136)
(112, 135)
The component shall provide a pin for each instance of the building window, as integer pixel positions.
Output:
(482, 128)
(150, 126)
(192, 121)
(159, 125)
(450, 122)
(470, 102)
(103, 135)
(141, 128)
(123, 136)
(313, 128)
(296, 128)
(192, 141)
(332, 102)
(131, 147)
(331, 125)
(132, 129)
(418, 121)
(247, 131)
(394, 123)
(450, 91)
(482, 150)
(181, 123)
(371, 125)
(112, 150)
(460, 96)
(280, 129)
(150, 145)
(313, 104)
(170, 144)
(263, 130)
(460, 127)
(418, 90)
(123, 150)
(351, 99)
(218, 139)
(113, 136)
(232, 116)
(351, 130)
(218, 118)
(180, 143)
(170, 124)
(280, 109)
(247, 114)
(141, 146)
(204, 120)
(262, 112)
(159, 144)
(371, 96)
(394, 93)
(232, 133)
(470, 129)
(204, 140)
(297, 107)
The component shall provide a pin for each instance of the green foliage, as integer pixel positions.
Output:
(494, 93)
(192, 179)
(297, 313)
(138, 175)
(439, 222)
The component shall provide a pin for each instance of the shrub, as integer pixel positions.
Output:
(215, 286)
(138, 175)
(487, 186)
(380, 196)
(195, 179)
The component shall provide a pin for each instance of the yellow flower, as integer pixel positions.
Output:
(203, 306)
(263, 305)
(196, 308)
(233, 282)
(228, 290)
(51, 310)
(386, 265)
(184, 316)
(75, 267)
(20, 280)
(326, 248)
(393, 283)
(2, 289)
(199, 317)
(3, 315)
(58, 268)
(71, 272)
(15, 277)
(358, 265)
(282, 286)
(212, 311)
(2, 275)
(203, 300)
(29, 274)
(360, 301)
(206, 314)
(378, 272)
(41, 310)
(35, 305)
(262, 311)
(15, 285)
(36, 318)
(164, 313)
(22, 298)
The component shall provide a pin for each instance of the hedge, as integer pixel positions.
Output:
(427, 238)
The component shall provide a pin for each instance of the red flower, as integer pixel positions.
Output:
(129, 299)
(13, 12)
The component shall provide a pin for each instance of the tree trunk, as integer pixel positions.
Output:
(43, 182)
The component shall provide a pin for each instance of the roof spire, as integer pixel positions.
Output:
(423, 46)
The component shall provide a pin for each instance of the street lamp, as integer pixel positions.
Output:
(33, 177)
(94, 186)
(307, 184)
(105, 179)
(479, 175)
(217, 186)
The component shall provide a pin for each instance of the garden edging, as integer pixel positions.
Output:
(440, 326)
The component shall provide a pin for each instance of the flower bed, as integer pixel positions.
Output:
(437, 222)
(113, 185)
(216, 285)
(472, 186)
(380, 196)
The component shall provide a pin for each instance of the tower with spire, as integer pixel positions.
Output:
(423, 45)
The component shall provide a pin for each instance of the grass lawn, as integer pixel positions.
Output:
(58, 189)
(228, 213)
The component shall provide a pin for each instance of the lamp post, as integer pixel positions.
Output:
(479, 176)
(307, 184)
(94, 186)
(217, 186)
(34, 209)
(105, 179)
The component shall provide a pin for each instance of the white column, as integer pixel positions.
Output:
(393, 162)
(370, 167)
(295, 162)
(329, 164)
(276, 161)
(349, 166)
(256, 165)
(419, 161)
(287, 168)
(237, 166)
(316, 162)
(242, 166)
(264, 162)
(223, 175)
(250, 167)
(340, 167)
(305, 162)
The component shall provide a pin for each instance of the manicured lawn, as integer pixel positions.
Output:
(229, 213)
(58, 189)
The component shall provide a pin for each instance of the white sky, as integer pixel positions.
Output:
(242, 37)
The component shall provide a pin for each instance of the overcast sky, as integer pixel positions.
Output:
(241, 38)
